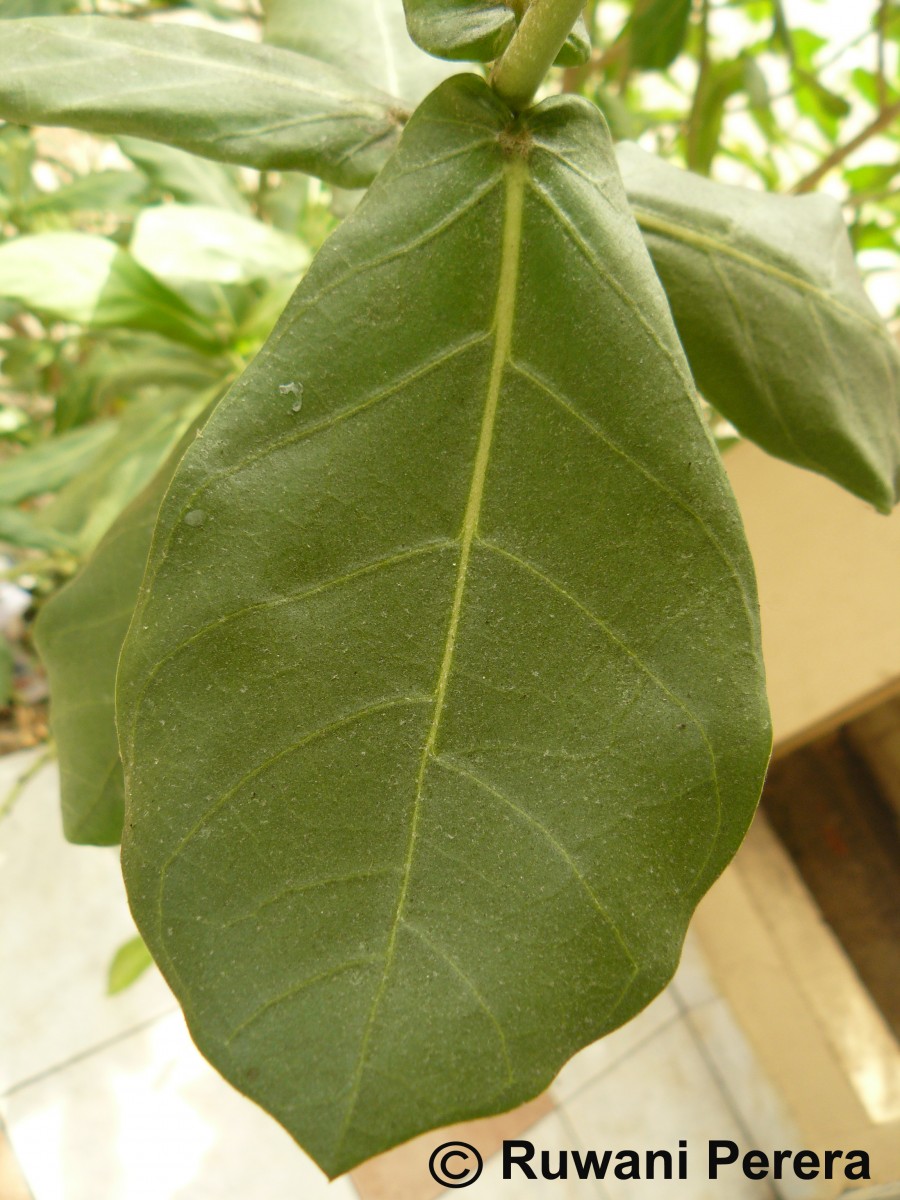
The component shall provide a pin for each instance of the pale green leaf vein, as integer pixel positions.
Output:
(504, 314)
(553, 394)
(560, 850)
(296, 990)
(532, 569)
(451, 962)
(300, 889)
(298, 597)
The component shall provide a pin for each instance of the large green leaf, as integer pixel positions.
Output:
(79, 635)
(771, 310)
(443, 702)
(218, 96)
(480, 30)
(367, 38)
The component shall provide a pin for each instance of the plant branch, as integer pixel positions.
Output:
(885, 118)
(695, 117)
(520, 71)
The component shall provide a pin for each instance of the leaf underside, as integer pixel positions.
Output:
(443, 702)
(776, 324)
(218, 96)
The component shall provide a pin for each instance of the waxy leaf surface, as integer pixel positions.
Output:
(777, 326)
(218, 96)
(443, 702)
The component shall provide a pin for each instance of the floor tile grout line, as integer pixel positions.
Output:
(89, 1052)
(617, 1062)
(569, 1126)
(721, 1083)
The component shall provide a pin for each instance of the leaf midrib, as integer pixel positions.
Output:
(516, 177)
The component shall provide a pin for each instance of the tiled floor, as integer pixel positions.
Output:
(106, 1099)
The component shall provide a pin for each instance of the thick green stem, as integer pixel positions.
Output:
(530, 54)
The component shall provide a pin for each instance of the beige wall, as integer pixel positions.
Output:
(828, 568)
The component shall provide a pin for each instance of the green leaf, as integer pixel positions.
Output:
(771, 310)
(79, 634)
(129, 963)
(187, 178)
(443, 702)
(106, 192)
(18, 528)
(11, 9)
(88, 279)
(84, 509)
(222, 97)
(367, 38)
(52, 463)
(480, 30)
(181, 243)
(658, 30)
(7, 671)
(720, 82)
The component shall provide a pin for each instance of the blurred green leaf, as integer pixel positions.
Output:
(221, 96)
(13, 9)
(721, 81)
(366, 38)
(6, 671)
(106, 192)
(181, 242)
(52, 463)
(78, 634)
(184, 176)
(88, 279)
(129, 963)
(657, 30)
(22, 529)
(84, 509)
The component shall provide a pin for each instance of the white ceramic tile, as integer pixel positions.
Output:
(692, 984)
(763, 1112)
(591, 1062)
(63, 914)
(148, 1119)
(659, 1094)
(552, 1135)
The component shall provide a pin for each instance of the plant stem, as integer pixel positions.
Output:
(520, 71)
(696, 115)
(885, 118)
